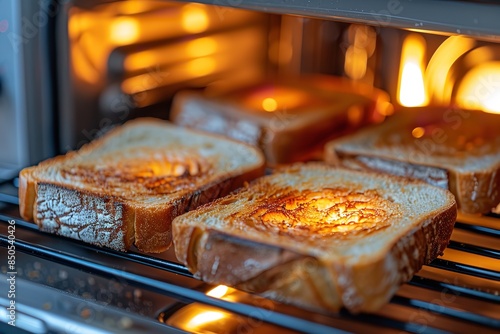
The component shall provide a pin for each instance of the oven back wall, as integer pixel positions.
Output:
(120, 60)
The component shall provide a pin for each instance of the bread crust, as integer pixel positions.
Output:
(27, 193)
(292, 273)
(101, 221)
(90, 209)
(308, 282)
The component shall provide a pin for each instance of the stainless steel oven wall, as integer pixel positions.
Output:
(26, 122)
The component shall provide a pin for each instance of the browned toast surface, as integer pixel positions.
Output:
(128, 186)
(317, 236)
(304, 112)
(455, 149)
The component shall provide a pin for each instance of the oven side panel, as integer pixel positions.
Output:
(26, 118)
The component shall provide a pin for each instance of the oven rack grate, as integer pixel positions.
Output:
(448, 295)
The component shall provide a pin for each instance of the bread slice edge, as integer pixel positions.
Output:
(475, 191)
(147, 227)
(304, 280)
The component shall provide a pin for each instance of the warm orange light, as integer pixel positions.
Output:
(355, 114)
(82, 67)
(480, 88)
(78, 22)
(411, 90)
(183, 71)
(124, 30)
(272, 99)
(418, 132)
(194, 18)
(235, 43)
(140, 60)
(269, 104)
(134, 7)
(201, 47)
(202, 66)
(479, 55)
(204, 318)
(218, 292)
(356, 60)
(385, 108)
(438, 81)
(177, 52)
(144, 82)
(362, 42)
(73, 24)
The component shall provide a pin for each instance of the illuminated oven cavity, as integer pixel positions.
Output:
(329, 212)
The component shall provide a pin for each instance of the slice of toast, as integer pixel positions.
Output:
(126, 187)
(455, 149)
(288, 118)
(318, 237)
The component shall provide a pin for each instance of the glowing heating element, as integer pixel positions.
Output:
(438, 75)
(124, 30)
(475, 86)
(480, 88)
(411, 90)
(194, 18)
(218, 292)
(203, 318)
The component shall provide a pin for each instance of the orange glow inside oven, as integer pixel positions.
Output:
(461, 71)
(202, 318)
(480, 88)
(148, 48)
(361, 42)
(163, 45)
(274, 98)
(411, 92)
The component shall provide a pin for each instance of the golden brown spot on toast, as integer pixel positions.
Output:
(145, 171)
(330, 212)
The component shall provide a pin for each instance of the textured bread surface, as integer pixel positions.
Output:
(313, 107)
(126, 187)
(318, 237)
(453, 149)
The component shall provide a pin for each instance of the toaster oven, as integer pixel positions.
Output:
(72, 69)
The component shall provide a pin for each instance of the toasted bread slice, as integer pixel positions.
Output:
(455, 149)
(300, 114)
(318, 237)
(126, 187)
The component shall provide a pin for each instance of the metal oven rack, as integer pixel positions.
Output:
(64, 286)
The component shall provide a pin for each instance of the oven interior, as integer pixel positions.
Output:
(118, 60)
(128, 59)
